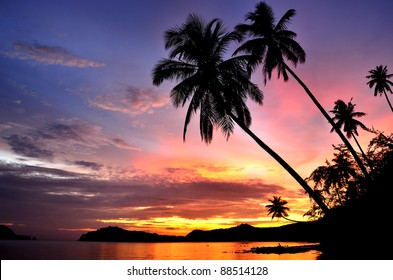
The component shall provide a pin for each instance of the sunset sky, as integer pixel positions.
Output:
(87, 141)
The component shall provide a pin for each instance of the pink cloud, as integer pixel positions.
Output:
(50, 55)
(121, 144)
(130, 100)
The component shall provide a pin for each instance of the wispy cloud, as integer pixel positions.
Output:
(76, 131)
(50, 55)
(121, 144)
(33, 173)
(130, 100)
(93, 165)
(25, 146)
(89, 201)
(68, 137)
(5, 125)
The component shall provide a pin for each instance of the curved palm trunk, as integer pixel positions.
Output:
(293, 220)
(326, 115)
(361, 150)
(387, 98)
(283, 163)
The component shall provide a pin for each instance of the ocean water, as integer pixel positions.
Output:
(76, 250)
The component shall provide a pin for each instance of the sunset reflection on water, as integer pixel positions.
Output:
(74, 250)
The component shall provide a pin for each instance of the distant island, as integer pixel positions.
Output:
(8, 234)
(116, 234)
(299, 232)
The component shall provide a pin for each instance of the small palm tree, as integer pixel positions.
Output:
(215, 87)
(380, 78)
(270, 45)
(278, 209)
(344, 116)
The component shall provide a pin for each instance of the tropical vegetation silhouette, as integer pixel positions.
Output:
(270, 44)
(334, 179)
(352, 228)
(379, 79)
(345, 117)
(347, 189)
(215, 87)
(278, 209)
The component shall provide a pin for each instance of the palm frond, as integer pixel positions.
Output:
(169, 69)
(285, 20)
(213, 86)
(270, 44)
(182, 92)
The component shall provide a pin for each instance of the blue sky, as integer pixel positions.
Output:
(87, 141)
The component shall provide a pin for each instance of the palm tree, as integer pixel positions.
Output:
(215, 87)
(270, 44)
(344, 116)
(278, 209)
(333, 180)
(380, 78)
(340, 172)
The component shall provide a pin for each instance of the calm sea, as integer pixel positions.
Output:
(76, 250)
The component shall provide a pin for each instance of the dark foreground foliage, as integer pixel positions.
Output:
(361, 229)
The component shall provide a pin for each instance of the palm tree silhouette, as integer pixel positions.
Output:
(344, 115)
(380, 78)
(278, 209)
(339, 173)
(270, 44)
(333, 179)
(215, 87)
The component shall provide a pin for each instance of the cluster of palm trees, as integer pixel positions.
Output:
(339, 182)
(217, 88)
(336, 181)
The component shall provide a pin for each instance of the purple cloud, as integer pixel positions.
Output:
(25, 146)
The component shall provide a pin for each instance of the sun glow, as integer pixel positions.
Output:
(180, 226)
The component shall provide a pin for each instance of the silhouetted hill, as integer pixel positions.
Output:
(295, 232)
(116, 234)
(8, 234)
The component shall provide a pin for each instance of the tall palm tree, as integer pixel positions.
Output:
(278, 209)
(270, 45)
(380, 78)
(344, 116)
(215, 87)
